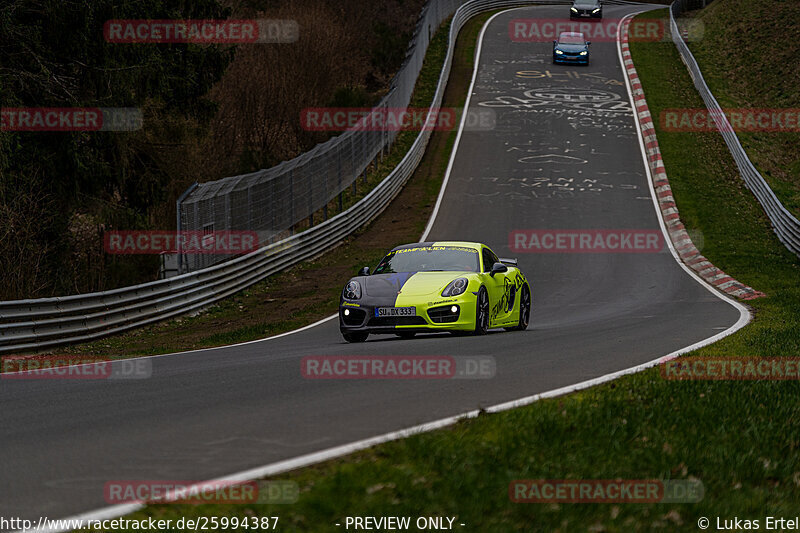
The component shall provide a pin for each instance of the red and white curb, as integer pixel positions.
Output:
(681, 240)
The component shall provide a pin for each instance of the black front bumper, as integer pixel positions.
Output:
(585, 13)
(438, 318)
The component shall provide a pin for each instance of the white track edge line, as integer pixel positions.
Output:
(445, 181)
(273, 337)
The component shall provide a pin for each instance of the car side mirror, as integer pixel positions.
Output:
(588, 43)
(497, 268)
(555, 42)
(364, 271)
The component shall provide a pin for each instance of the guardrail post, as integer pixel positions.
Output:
(272, 209)
(249, 209)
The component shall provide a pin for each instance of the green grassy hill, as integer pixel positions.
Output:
(749, 58)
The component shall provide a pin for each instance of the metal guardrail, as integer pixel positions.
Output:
(785, 225)
(28, 325)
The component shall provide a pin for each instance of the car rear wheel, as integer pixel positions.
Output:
(482, 312)
(355, 336)
(524, 309)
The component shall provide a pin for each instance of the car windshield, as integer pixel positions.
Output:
(429, 259)
(570, 39)
(586, 5)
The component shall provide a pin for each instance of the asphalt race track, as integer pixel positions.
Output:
(551, 162)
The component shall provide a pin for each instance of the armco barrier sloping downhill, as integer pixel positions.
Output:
(27, 325)
(785, 225)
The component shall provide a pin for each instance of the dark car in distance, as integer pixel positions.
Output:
(586, 9)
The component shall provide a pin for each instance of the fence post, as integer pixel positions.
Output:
(291, 200)
(310, 202)
(339, 176)
(179, 226)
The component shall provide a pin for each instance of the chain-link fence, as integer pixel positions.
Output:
(273, 200)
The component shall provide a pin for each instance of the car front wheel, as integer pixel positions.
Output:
(482, 312)
(524, 309)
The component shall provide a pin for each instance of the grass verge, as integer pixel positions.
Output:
(738, 438)
(748, 57)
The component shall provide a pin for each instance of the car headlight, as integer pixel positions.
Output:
(584, 53)
(574, 10)
(455, 287)
(352, 291)
(559, 52)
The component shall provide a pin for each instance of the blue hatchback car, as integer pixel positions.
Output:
(571, 47)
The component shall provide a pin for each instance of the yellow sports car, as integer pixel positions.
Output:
(435, 286)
